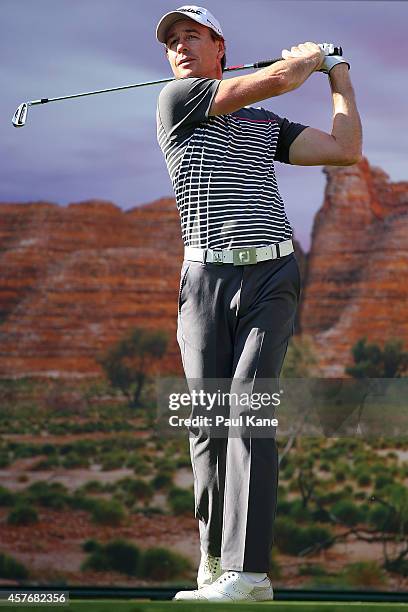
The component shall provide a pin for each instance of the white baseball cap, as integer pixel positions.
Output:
(197, 13)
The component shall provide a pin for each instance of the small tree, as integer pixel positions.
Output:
(129, 361)
(370, 361)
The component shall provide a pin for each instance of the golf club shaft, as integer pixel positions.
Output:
(20, 115)
(99, 91)
(260, 64)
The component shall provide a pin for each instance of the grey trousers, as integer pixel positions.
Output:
(234, 323)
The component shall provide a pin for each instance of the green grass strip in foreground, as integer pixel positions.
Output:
(112, 605)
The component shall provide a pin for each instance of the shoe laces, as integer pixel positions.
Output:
(211, 563)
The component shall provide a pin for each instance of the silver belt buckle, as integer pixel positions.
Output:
(217, 257)
(243, 257)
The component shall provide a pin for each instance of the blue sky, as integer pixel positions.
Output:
(105, 146)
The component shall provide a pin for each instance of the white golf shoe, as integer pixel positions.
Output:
(209, 570)
(230, 586)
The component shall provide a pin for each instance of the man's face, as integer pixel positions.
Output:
(192, 52)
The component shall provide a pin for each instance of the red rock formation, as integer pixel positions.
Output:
(356, 283)
(74, 279)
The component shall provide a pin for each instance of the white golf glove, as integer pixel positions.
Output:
(330, 60)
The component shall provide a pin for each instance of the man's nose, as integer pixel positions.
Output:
(181, 46)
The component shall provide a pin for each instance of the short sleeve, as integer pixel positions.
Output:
(287, 134)
(184, 103)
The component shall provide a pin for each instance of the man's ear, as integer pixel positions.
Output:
(221, 48)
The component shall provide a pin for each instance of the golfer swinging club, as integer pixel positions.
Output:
(240, 283)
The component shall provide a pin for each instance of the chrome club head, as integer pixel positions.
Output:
(20, 116)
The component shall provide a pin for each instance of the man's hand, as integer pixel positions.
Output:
(308, 50)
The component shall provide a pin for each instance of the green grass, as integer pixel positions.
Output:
(145, 606)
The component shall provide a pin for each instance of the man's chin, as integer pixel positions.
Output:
(186, 72)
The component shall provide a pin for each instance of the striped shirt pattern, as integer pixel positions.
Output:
(222, 168)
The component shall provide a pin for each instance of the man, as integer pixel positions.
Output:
(240, 284)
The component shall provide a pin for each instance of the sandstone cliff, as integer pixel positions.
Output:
(74, 279)
(356, 282)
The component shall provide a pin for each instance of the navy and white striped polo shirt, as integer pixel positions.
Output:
(222, 168)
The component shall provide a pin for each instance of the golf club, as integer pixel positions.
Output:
(20, 116)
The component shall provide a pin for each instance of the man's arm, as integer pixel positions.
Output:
(343, 147)
(274, 80)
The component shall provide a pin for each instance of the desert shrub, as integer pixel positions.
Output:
(162, 564)
(181, 500)
(165, 465)
(117, 555)
(293, 539)
(325, 467)
(384, 519)
(7, 498)
(283, 506)
(162, 480)
(321, 515)
(331, 497)
(97, 561)
(347, 512)
(136, 489)
(4, 460)
(378, 468)
(364, 574)
(330, 454)
(22, 515)
(92, 486)
(398, 566)
(364, 479)
(48, 449)
(24, 451)
(49, 495)
(107, 512)
(298, 512)
(312, 569)
(383, 480)
(288, 472)
(79, 501)
(340, 475)
(73, 460)
(66, 448)
(138, 464)
(91, 545)
(113, 460)
(123, 556)
(12, 569)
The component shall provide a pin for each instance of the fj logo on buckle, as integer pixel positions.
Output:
(243, 257)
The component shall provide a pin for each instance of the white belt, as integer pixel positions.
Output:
(239, 257)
